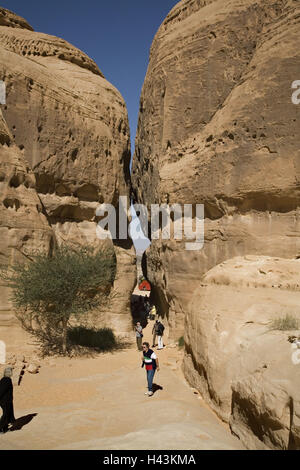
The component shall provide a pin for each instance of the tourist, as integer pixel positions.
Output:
(154, 333)
(147, 308)
(152, 314)
(150, 361)
(139, 335)
(159, 333)
(6, 400)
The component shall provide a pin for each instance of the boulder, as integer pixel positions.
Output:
(244, 368)
(33, 368)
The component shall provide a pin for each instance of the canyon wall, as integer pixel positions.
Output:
(245, 367)
(65, 148)
(217, 127)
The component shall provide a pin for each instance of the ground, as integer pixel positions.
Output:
(99, 403)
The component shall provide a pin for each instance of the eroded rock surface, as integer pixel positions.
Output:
(8, 18)
(23, 226)
(247, 370)
(65, 147)
(217, 127)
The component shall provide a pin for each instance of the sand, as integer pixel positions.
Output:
(99, 403)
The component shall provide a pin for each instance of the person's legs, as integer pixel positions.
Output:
(5, 418)
(11, 415)
(150, 375)
(139, 343)
(154, 338)
(160, 342)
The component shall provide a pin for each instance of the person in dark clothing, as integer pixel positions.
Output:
(147, 308)
(155, 332)
(6, 400)
(150, 361)
(159, 333)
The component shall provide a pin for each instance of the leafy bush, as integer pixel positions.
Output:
(48, 290)
(285, 323)
(181, 342)
(100, 340)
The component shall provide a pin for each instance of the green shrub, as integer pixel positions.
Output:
(48, 290)
(285, 323)
(100, 340)
(181, 342)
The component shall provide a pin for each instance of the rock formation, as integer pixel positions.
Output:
(23, 226)
(246, 369)
(217, 127)
(65, 148)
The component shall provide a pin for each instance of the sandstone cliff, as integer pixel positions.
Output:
(67, 142)
(23, 225)
(217, 126)
(246, 369)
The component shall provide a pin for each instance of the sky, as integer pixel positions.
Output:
(116, 34)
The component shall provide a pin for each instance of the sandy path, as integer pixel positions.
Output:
(99, 403)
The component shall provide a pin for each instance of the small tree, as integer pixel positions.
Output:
(47, 291)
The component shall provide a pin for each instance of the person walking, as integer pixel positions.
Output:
(154, 333)
(147, 309)
(139, 335)
(6, 400)
(160, 332)
(152, 314)
(150, 361)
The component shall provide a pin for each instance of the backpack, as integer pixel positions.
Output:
(160, 329)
